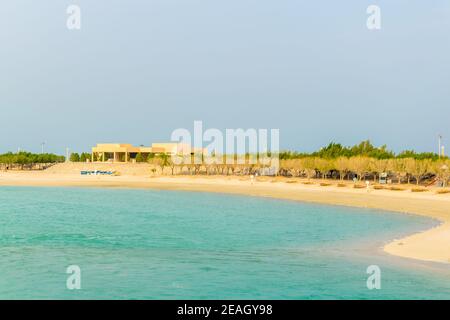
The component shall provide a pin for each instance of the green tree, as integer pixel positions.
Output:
(163, 160)
(74, 157)
(84, 157)
(139, 158)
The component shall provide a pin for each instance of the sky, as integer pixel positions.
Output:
(139, 69)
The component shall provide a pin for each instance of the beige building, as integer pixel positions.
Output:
(122, 152)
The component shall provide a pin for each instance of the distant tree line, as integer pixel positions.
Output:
(399, 170)
(361, 162)
(83, 157)
(363, 149)
(27, 160)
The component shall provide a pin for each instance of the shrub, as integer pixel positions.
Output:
(139, 158)
(74, 157)
(419, 190)
(393, 188)
(84, 157)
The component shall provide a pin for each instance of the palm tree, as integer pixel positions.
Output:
(162, 160)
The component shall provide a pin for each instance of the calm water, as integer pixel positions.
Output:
(144, 244)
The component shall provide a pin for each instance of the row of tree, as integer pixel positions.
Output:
(83, 157)
(363, 161)
(363, 149)
(359, 167)
(24, 159)
(402, 169)
(331, 151)
(28, 157)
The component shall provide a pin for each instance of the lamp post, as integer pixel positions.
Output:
(440, 141)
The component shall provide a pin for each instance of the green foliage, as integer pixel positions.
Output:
(139, 158)
(418, 156)
(333, 151)
(286, 155)
(85, 156)
(164, 159)
(29, 158)
(74, 157)
(363, 149)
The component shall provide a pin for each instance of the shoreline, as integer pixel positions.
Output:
(430, 245)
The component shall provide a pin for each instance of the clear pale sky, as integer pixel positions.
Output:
(139, 69)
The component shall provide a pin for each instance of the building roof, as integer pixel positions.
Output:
(165, 147)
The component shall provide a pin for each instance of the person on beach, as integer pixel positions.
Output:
(368, 186)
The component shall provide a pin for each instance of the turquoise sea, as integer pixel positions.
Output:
(149, 244)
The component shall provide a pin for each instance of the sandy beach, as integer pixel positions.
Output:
(431, 245)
